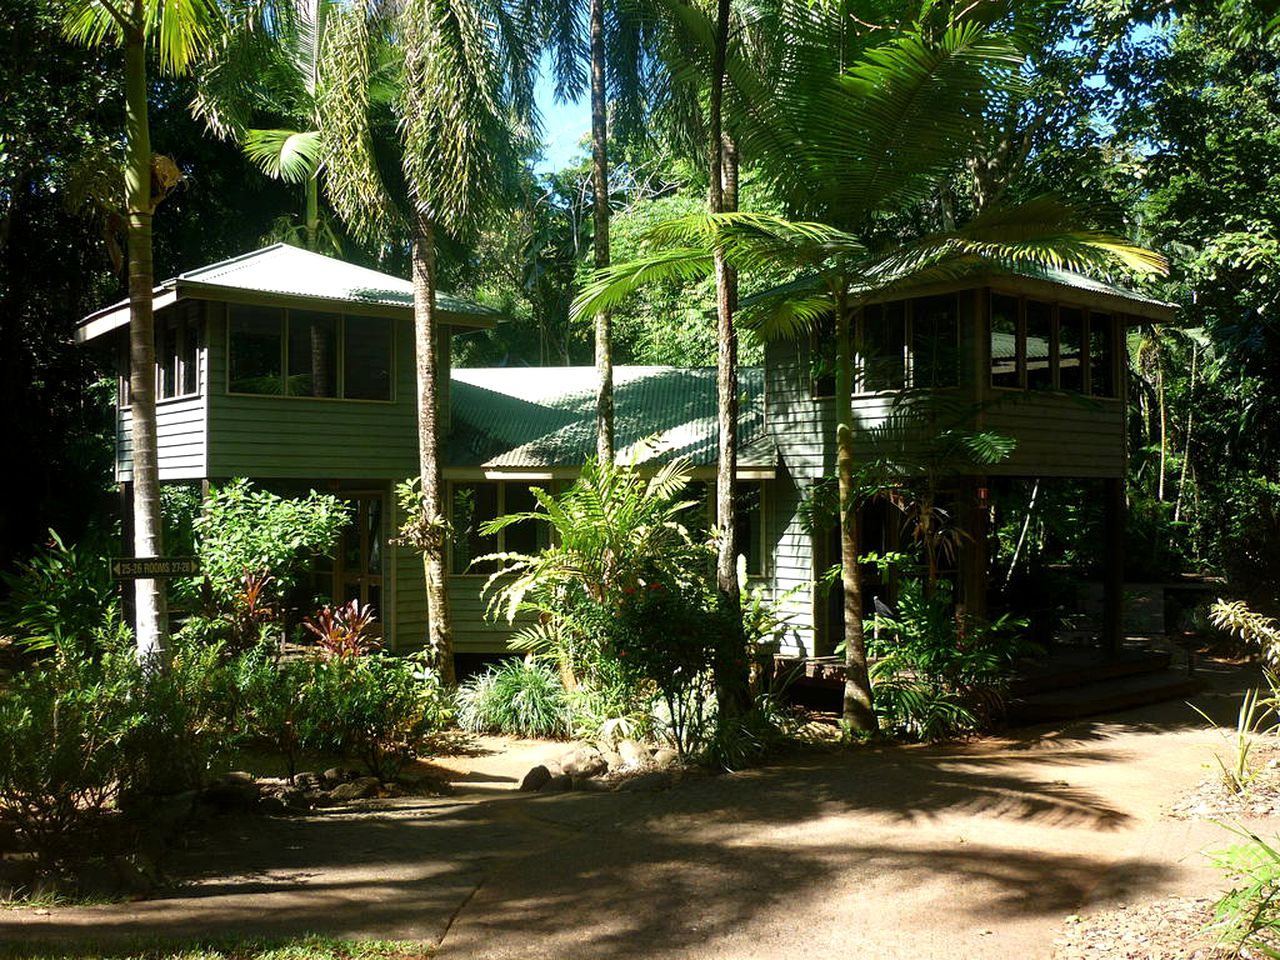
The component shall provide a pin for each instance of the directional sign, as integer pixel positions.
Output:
(153, 568)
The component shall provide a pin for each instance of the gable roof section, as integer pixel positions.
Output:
(514, 419)
(1043, 283)
(284, 275)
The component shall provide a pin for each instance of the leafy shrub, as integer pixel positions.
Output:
(378, 709)
(935, 677)
(669, 635)
(243, 532)
(613, 530)
(188, 719)
(344, 630)
(63, 599)
(69, 728)
(519, 697)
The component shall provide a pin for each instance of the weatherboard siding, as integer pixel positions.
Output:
(321, 439)
(180, 433)
(791, 571)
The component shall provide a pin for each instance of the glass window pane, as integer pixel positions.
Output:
(373, 534)
(883, 339)
(934, 342)
(749, 516)
(822, 357)
(473, 504)
(367, 359)
(1004, 341)
(697, 518)
(1038, 340)
(191, 354)
(1101, 355)
(527, 536)
(167, 358)
(256, 334)
(313, 354)
(1070, 354)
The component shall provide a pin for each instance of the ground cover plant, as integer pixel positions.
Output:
(296, 948)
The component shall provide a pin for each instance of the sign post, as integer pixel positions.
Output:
(153, 568)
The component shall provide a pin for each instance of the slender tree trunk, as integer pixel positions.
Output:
(313, 213)
(1186, 443)
(858, 711)
(149, 596)
(1164, 417)
(427, 346)
(732, 683)
(600, 242)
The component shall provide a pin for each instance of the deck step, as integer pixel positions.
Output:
(1106, 696)
(1082, 668)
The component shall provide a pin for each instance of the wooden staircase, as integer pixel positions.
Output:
(1074, 682)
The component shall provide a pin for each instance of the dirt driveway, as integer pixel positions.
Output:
(976, 851)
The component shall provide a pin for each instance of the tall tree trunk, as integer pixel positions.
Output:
(312, 226)
(427, 346)
(600, 242)
(858, 712)
(149, 596)
(732, 684)
(1186, 443)
(1164, 415)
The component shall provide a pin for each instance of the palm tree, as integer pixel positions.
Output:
(274, 72)
(858, 143)
(178, 32)
(619, 32)
(417, 103)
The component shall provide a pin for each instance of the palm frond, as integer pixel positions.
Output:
(610, 286)
(289, 155)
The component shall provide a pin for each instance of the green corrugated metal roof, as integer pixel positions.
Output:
(290, 271)
(283, 271)
(525, 418)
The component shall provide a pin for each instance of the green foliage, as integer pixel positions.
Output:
(520, 697)
(1248, 916)
(613, 531)
(669, 635)
(936, 677)
(70, 727)
(63, 599)
(378, 709)
(248, 532)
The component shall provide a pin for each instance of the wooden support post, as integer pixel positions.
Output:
(127, 607)
(1113, 518)
(973, 558)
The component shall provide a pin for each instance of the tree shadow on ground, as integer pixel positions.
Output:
(690, 865)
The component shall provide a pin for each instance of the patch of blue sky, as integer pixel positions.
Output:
(566, 126)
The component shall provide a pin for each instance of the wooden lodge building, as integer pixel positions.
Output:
(297, 371)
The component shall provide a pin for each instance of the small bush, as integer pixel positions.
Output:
(1248, 916)
(63, 599)
(523, 698)
(936, 678)
(378, 709)
(69, 729)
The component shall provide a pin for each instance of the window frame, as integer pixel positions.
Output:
(185, 321)
(500, 540)
(1115, 321)
(908, 354)
(340, 345)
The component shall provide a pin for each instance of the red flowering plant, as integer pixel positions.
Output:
(345, 630)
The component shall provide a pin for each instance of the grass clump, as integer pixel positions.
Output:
(519, 697)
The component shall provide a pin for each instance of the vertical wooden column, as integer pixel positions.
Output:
(127, 606)
(973, 553)
(1113, 518)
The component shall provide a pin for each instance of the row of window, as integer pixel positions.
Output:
(915, 344)
(301, 353)
(1042, 346)
(474, 503)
